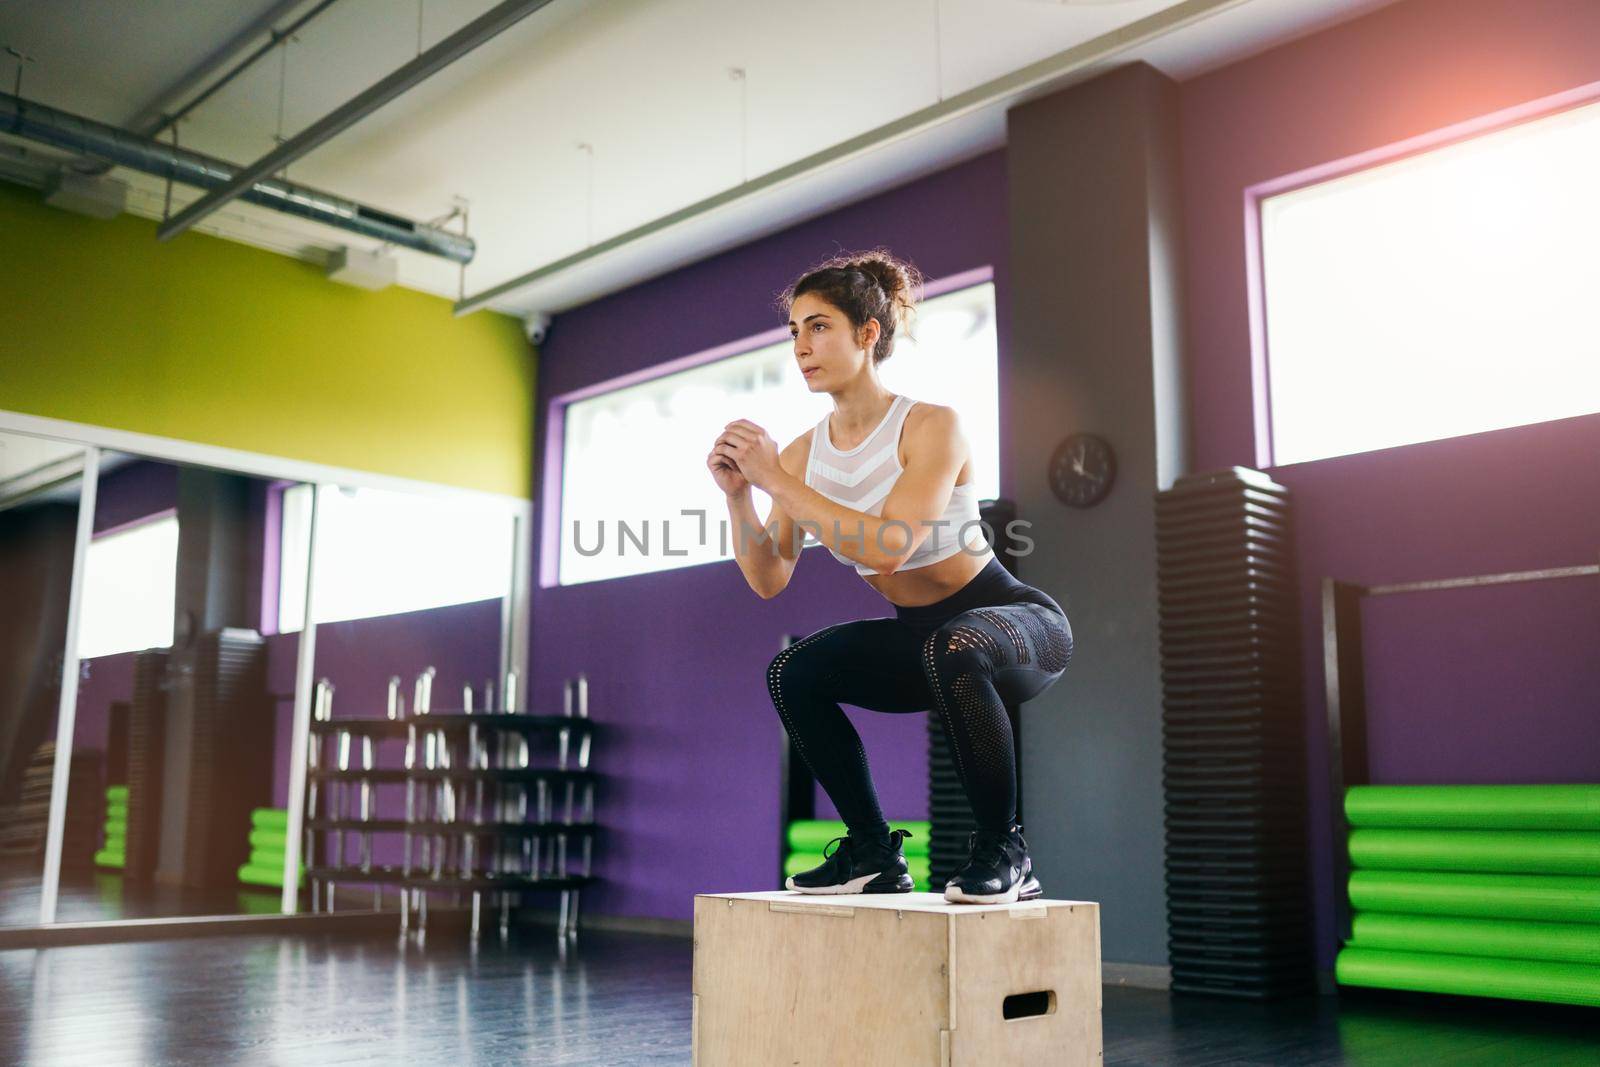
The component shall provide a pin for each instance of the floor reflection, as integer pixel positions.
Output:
(610, 998)
(100, 895)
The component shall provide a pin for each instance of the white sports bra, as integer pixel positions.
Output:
(862, 477)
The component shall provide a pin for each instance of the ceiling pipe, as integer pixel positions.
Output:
(148, 119)
(74, 133)
(481, 29)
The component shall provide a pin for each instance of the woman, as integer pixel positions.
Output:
(887, 484)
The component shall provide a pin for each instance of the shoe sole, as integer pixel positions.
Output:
(1027, 889)
(854, 885)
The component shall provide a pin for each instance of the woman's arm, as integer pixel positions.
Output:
(766, 552)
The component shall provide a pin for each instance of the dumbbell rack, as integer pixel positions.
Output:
(480, 813)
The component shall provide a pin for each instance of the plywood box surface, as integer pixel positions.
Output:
(787, 979)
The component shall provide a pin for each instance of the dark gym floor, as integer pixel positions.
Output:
(623, 999)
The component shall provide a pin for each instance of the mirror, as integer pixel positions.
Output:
(410, 599)
(41, 483)
(185, 698)
(193, 591)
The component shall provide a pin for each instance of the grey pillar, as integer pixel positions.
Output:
(1096, 345)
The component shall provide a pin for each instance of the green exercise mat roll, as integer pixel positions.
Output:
(266, 858)
(1559, 983)
(270, 819)
(250, 874)
(1541, 897)
(272, 839)
(1475, 807)
(1509, 851)
(116, 792)
(108, 858)
(117, 807)
(1509, 939)
(813, 835)
(804, 861)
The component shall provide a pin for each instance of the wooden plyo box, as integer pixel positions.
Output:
(787, 979)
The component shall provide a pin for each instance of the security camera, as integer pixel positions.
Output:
(536, 326)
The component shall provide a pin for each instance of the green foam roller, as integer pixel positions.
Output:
(1505, 938)
(108, 858)
(1481, 976)
(813, 835)
(273, 839)
(1509, 851)
(266, 858)
(1541, 897)
(270, 819)
(250, 874)
(116, 792)
(1475, 807)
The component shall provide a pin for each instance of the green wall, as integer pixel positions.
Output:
(211, 341)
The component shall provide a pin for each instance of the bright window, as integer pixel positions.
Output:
(379, 553)
(129, 589)
(1448, 293)
(635, 457)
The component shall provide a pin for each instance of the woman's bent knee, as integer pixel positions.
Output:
(792, 671)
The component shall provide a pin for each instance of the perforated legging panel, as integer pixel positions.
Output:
(968, 670)
(977, 665)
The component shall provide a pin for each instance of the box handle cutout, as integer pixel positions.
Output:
(1027, 1005)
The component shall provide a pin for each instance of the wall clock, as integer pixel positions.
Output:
(1082, 470)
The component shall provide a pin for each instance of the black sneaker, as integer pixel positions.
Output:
(998, 871)
(857, 867)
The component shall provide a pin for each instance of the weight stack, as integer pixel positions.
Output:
(147, 717)
(221, 680)
(950, 817)
(1233, 753)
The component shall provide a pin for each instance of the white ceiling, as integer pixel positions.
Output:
(645, 83)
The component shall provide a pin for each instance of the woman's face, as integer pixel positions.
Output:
(824, 347)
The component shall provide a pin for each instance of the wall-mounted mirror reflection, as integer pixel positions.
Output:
(40, 486)
(185, 698)
(409, 597)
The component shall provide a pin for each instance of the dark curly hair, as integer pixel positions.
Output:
(865, 285)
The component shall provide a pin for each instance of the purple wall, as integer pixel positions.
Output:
(677, 660)
(1494, 685)
(133, 492)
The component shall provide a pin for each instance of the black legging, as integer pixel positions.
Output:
(991, 645)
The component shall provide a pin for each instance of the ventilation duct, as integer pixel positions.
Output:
(73, 133)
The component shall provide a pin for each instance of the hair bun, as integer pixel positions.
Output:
(895, 277)
(890, 294)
